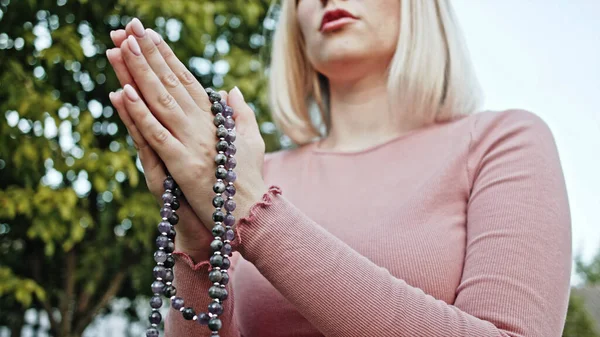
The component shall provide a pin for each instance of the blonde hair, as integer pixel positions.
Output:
(431, 78)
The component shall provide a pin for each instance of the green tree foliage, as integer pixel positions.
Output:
(579, 322)
(76, 220)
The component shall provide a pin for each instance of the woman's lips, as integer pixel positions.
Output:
(335, 19)
(336, 24)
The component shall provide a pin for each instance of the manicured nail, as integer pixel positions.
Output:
(236, 89)
(134, 46)
(154, 36)
(111, 95)
(130, 93)
(112, 34)
(137, 27)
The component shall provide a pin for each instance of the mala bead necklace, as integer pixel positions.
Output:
(222, 231)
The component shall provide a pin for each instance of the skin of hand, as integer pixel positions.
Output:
(167, 113)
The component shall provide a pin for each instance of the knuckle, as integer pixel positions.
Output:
(187, 78)
(161, 137)
(151, 50)
(167, 100)
(169, 80)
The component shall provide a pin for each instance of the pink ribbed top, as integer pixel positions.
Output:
(455, 229)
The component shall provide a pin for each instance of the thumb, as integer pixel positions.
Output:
(243, 115)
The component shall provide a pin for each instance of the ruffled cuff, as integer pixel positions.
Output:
(187, 260)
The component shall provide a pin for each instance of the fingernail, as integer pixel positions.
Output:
(110, 95)
(154, 36)
(236, 89)
(134, 46)
(130, 93)
(137, 27)
(112, 33)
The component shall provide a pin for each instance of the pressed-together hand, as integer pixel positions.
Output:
(167, 113)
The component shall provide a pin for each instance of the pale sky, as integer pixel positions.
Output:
(544, 56)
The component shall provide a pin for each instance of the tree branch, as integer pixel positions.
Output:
(66, 303)
(111, 291)
(37, 275)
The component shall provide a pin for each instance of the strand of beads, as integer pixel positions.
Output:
(222, 230)
(163, 272)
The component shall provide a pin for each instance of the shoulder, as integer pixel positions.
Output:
(515, 124)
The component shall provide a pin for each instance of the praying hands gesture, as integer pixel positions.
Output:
(168, 115)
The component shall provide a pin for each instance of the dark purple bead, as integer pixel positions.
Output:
(214, 97)
(231, 163)
(229, 219)
(224, 294)
(170, 247)
(230, 205)
(170, 262)
(188, 314)
(152, 332)
(215, 324)
(174, 218)
(231, 176)
(177, 303)
(164, 227)
(215, 292)
(203, 319)
(226, 263)
(215, 276)
(230, 189)
(170, 291)
(228, 111)
(227, 249)
(215, 308)
(229, 123)
(219, 120)
(216, 108)
(218, 216)
(159, 271)
(168, 275)
(156, 302)
(157, 287)
(169, 184)
(166, 212)
(155, 317)
(171, 234)
(160, 256)
(230, 235)
(175, 204)
(221, 132)
(209, 91)
(216, 260)
(223, 103)
(225, 279)
(168, 197)
(231, 150)
(177, 192)
(231, 136)
(162, 241)
(218, 230)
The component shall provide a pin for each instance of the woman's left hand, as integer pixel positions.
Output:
(173, 112)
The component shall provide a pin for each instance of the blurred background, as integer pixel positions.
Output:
(76, 219)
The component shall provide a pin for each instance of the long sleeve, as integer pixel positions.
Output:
(517, 264)
(191, 281)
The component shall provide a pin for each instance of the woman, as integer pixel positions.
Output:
(411, 216)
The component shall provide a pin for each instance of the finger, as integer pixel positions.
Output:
(160, 67)
(118, 36)
(194, 88)
(115, 57)
(162, 104)
(116, 99)
(158, 137)
(242, 113)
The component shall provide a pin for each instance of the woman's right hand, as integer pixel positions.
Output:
(193, 238)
